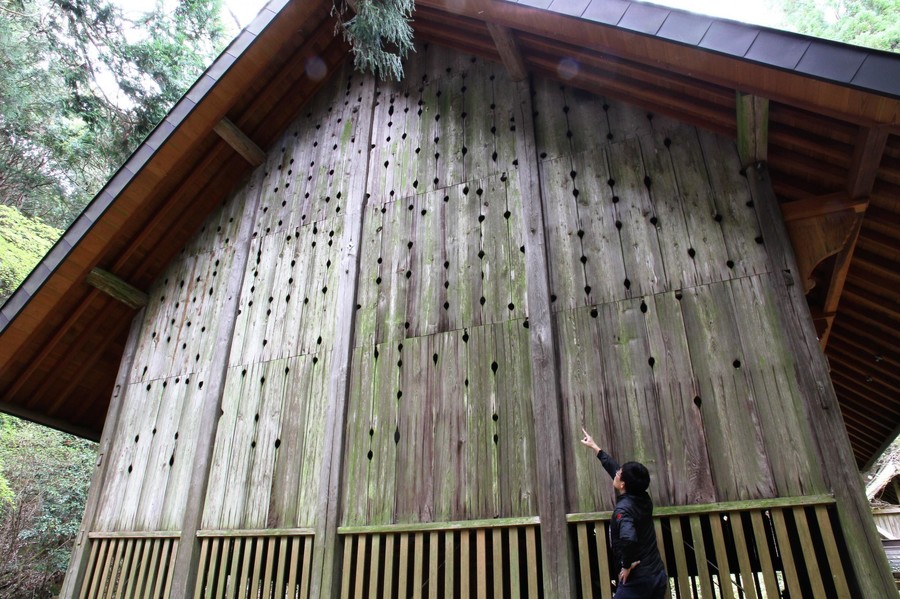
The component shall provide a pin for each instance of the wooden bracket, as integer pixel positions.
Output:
(752, 128)
(819, 228)
(116, 288)
(509, 51)
(242, 144)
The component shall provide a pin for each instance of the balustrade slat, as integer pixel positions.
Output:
(809, 552)
(678, 545)
(787, 554)
(831, 550)
(765, 557)
(603, 560)
(723, 569)
(705, 582)
(748, 582)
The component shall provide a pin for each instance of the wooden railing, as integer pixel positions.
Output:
(261, 563)
(479, 559)
(756, 549)
(234, 564)
(129, 566)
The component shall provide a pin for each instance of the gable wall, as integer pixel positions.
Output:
(669, 347)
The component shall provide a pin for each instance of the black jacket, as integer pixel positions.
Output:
(631, 531)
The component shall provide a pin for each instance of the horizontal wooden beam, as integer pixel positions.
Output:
(264, 532)
(822, 206)
(116, 288)
(509, 51)
(713, 508)
(242, 144)
(432, 526)
(752, 128)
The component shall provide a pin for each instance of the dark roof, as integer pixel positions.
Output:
(61, 340)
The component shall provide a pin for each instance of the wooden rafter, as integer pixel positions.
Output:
(867, 153)
(509, 51)
(752, 128)
(242, 144)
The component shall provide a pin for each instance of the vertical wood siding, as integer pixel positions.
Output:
(667, 335)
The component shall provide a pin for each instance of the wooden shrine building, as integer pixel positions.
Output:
(338, 337)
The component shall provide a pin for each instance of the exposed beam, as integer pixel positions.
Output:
(116, 288)
(752, 128)
(509, 51)
(242, 144)
(867, 153)
(821, 206)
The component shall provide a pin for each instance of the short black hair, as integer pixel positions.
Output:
(635, 476)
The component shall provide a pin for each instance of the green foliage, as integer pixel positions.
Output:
(47, 473)
(80, 87)
(23, 242)
(379, 35)
(869, 23)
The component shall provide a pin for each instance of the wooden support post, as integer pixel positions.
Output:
(509, 51)
(81, 550)
(556, 553)
(184, 577)
(326, 547)
(752, 128)
(116, 288)
(242, 144)
(867, 153)
(833, 452)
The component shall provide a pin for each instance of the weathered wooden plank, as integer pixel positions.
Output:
(515, 586)
(584, 560)
(788, 565)
(727, 400)
(644, 268)
(679, 547)
(346, 569)
(809, 551)
(765, 558)
(556, 551)
(735, 203)
(449, 427)
(306, 571)
(374, 565)
(627, 121)
(361, 542)
(449, 564)
(381, 490)
(793, 465)
(603, 559)
(389, 565)
(604, 266)
(531, 559)
(418, 564)
(723, 569)
(550, 120)
(480, 564)
(834, 561)
(497, 566)
(748, 582)
(567, 275)
(685, 448)
(667, 214)
(465, 585)
(699, 546)
(173, 554)
(403, 573)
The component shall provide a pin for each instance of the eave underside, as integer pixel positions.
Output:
(65, 344)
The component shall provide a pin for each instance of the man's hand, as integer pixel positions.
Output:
(589, 441)
(624, 572)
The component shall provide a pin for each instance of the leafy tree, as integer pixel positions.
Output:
(47, 473)
(81, 86)
(870, 23)
(379, 35)
(23, 242)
